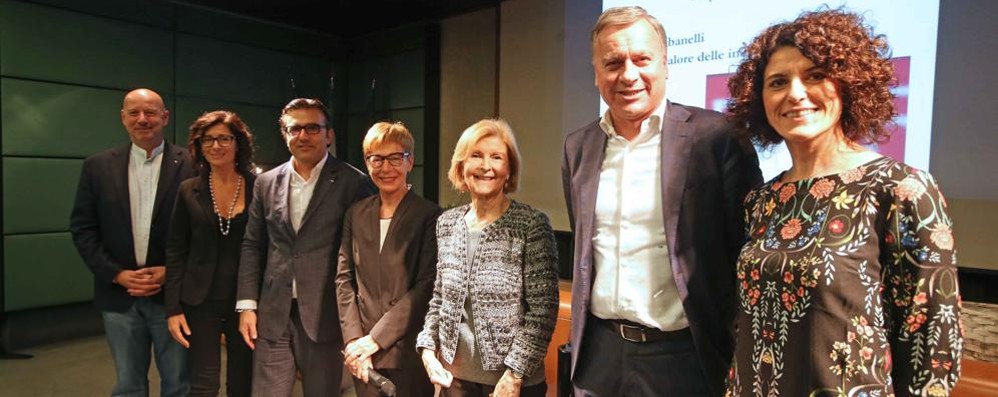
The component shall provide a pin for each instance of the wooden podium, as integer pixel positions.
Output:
(561, 332)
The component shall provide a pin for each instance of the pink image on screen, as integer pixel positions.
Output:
(717, 98)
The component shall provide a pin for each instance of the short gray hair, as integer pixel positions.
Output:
(623, 16)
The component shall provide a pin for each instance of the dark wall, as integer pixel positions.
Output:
(64, 69)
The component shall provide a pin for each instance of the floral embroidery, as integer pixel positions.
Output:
(942, 236)
(910, 189)
(873, 246)
(822, 188)
(787, 192)
(791, 229)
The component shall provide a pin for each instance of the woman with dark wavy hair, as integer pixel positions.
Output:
(202, 253)
(848, 282)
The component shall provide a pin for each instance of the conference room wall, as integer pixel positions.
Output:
(64, 67)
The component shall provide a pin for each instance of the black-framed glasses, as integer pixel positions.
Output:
(311, 129)
(223, 140)
(395, 159)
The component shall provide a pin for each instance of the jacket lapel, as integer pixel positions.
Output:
(168, 169)
(399, 215)
(282, 185)
(322, 186)
(593, 152)
(676, 144)
(202, 194)
(119, 176)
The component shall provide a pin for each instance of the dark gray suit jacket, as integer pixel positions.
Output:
(273, 254)
(706, 173)
(101, 222)
(385, 293)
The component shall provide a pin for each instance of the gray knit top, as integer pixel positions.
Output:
(513, 287)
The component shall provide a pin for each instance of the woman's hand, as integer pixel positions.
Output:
(177, 324)
(357, 356)
(359, 350)
(438, 375)
(508, 386)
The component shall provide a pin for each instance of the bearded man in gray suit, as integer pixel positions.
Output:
(654, 192)
(286, 296)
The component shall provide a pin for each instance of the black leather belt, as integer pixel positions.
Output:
(634, 332)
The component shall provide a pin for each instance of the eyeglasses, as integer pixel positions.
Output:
(395, 159)
(311, 129)
(223, 140)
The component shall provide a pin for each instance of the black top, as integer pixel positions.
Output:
(223, 282)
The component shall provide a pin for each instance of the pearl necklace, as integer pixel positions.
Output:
(227, 226)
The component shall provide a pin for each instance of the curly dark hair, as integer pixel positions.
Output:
(855, 59)
(244, 139)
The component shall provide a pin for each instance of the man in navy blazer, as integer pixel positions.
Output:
(654, 192)
(119, 224)
(285, 292)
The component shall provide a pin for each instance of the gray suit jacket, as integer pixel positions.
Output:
(273, 254)
(706, 173)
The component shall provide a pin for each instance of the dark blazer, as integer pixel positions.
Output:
(386, 293)
(706, 173)
(101, 221)
(273, 254)
(192, 243)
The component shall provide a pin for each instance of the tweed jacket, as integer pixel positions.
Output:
(513, 287)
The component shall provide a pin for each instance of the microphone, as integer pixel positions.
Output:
(385, 386)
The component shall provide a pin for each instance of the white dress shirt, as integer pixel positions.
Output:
(300, 194)
(143, 177)
(300, 191)
(634, 278)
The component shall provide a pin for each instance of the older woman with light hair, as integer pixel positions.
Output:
(495, 299)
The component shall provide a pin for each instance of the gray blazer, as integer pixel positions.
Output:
(706, 173)
(273, 254)
(513, 285)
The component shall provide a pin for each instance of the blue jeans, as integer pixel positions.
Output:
(133, 335)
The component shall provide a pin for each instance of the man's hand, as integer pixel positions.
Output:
(177, 324)
(158, 273)
(138, 283)
(508, 386)
(438, 375)
(247, 327)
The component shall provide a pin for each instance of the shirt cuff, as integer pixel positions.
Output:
(245, 305)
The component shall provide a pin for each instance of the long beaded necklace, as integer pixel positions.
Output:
(225, 226)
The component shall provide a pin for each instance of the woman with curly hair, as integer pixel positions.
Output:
(848, 282)
(202, 253)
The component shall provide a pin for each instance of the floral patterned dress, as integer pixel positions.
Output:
(848, 287)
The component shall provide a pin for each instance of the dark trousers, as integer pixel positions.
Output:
(275, 363)
(611, 366)
(411, 382)
(463, 388)
(208, 321)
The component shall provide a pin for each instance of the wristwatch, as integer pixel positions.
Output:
(516, 375)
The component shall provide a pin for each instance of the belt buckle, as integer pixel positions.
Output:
(623, 333)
